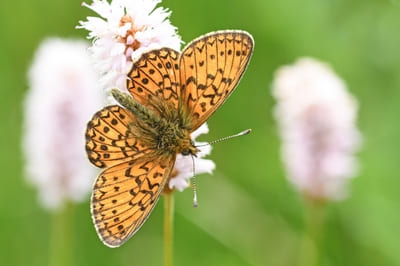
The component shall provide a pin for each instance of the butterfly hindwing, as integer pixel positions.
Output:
(210, 68)
(108, 138)
(125, 194)
(154, 79)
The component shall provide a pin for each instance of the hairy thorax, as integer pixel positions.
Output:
(165, 135)
(174, 139)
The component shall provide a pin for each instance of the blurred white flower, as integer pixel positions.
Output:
(317, 120)
(63, 96)
(128, 29)
(183, 170)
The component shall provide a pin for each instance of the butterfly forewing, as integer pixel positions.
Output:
(108, 138)
(210, 68)
(124, 195)
(154, 79)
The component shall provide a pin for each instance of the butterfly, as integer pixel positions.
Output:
(171, 95)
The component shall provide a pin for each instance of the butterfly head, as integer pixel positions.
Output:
(186, 147)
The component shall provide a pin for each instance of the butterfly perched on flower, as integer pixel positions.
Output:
(172, 94)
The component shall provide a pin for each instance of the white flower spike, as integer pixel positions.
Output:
(317, 120)
(63, 95)
(127, 29)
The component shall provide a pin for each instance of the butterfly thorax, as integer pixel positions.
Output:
(174, 139)
(166, 135)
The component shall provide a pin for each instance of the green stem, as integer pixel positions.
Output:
(60, 250)
(168, 227)
(312, 239)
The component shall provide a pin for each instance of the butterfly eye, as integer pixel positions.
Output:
(185, 152)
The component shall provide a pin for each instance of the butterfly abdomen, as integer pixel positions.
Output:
(140, 111)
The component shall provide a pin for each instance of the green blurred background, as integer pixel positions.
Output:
(249, 214)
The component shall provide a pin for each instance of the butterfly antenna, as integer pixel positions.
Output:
(245, 132)
(195, 204)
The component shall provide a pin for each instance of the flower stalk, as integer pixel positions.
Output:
(168, 228)
(61, 238)
(312, 239)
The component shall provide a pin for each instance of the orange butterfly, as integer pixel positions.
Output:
(173, 94)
